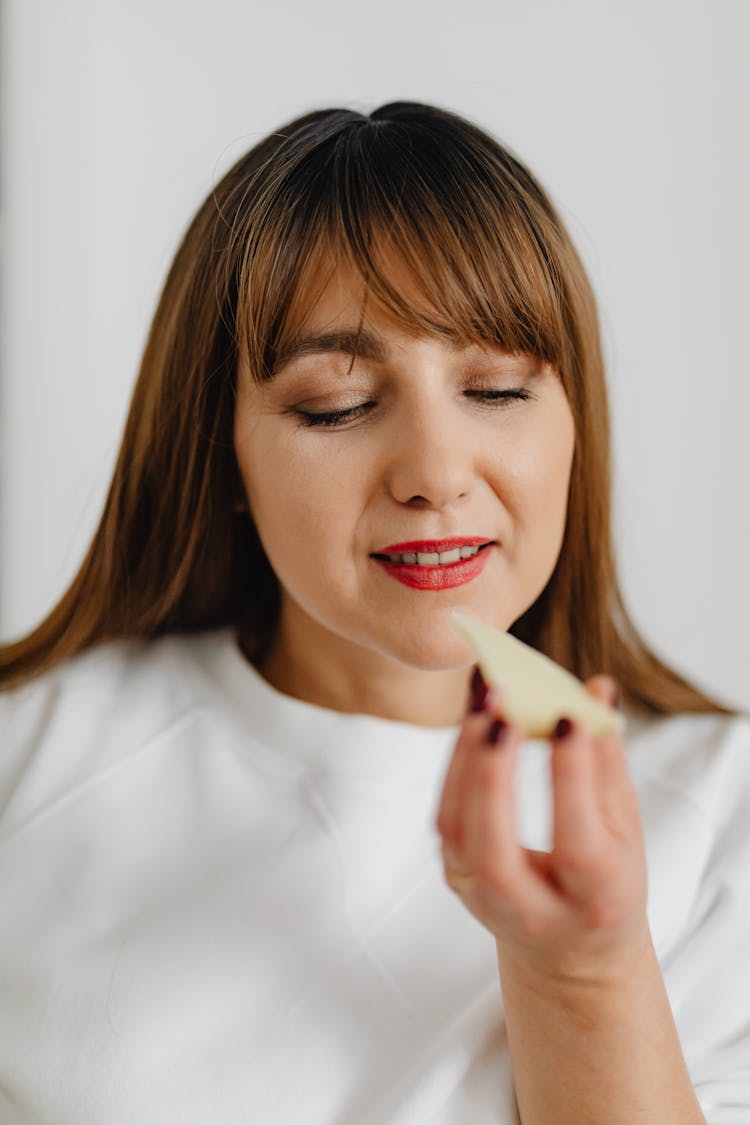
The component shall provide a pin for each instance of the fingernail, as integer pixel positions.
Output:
(563, 729)
(615, 695)
(496, 731)
(479, 692)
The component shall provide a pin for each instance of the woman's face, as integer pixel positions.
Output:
(423, 457)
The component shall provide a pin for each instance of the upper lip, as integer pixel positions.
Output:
(433, 546)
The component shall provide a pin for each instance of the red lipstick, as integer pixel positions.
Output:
(443, 577)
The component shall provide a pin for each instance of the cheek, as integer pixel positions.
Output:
(537, 475)
(295, 497)
(552, 483)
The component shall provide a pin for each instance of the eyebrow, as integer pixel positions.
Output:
(364, 343)
(346, 341)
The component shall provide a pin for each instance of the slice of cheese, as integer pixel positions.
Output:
(535, 691)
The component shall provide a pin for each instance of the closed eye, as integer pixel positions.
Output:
(334, 417)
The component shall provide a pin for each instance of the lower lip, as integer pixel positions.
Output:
(438, 577)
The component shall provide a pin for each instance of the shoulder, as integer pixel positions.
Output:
(704, 759)
(87, 715)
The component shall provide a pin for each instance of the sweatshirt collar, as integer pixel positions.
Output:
(341, 742)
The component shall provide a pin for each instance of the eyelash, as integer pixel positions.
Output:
(333, 417)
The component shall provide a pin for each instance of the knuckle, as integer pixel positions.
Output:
(451, 858)
(453, 839)
(444, 824)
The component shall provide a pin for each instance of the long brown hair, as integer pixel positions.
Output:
(495, 264)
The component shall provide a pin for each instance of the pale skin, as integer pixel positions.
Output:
(427, 457)
(590, 1029)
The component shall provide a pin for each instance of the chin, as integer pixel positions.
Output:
(435, 649)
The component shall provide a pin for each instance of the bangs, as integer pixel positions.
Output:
(451, 239)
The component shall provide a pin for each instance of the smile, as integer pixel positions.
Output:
(443, 571)
(439, 558)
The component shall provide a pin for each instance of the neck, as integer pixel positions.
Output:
(409, 695)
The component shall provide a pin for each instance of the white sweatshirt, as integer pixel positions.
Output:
(222, 905)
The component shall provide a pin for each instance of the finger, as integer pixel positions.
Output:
(490, 825)
(577, 822)
(449, 819)
(455, 870)
(605, 688)
(510, 880)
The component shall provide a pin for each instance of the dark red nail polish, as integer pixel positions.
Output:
(564, 728)
(479, 692)
(497, 730)
(616, 696)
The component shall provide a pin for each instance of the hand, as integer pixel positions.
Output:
(579, 911)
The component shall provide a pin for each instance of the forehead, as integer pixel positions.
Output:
(368, 339)
(334, 309)
(402, 295)
(332, 287)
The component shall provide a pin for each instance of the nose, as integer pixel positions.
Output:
(431, 458)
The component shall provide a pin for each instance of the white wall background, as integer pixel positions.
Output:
(117, 119)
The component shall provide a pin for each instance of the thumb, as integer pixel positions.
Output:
(605, 688)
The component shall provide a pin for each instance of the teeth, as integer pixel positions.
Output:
(438, 559)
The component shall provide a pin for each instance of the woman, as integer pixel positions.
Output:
(238, 765)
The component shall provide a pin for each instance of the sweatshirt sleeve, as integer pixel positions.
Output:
(709, 968)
